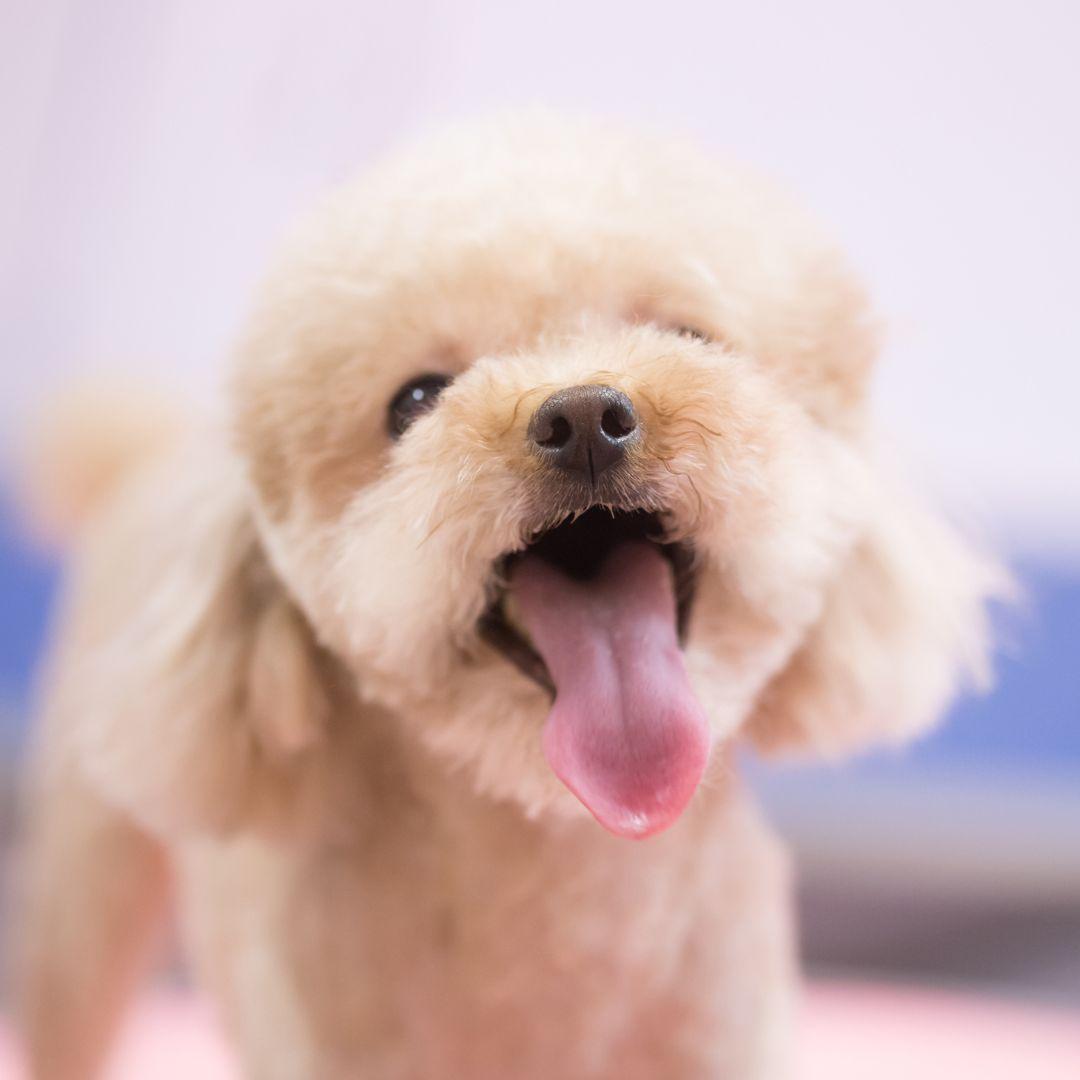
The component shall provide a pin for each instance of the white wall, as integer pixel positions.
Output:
(151, 149)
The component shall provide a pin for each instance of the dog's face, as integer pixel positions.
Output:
(550, 415)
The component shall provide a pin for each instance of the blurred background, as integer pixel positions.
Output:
(152, 150)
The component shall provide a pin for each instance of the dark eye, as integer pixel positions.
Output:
(693, 332)
(414, 399)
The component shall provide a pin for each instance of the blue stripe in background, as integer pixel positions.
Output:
(1032, 715)
(1031, 719)
(28, 580)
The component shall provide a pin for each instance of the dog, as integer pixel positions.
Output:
(547, 480)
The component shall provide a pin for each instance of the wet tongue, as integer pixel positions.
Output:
(626, 733)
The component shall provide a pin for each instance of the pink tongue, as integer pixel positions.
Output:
(626, 733)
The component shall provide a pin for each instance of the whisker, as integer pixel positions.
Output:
(693, 487)
(521, 399)
(697, 423)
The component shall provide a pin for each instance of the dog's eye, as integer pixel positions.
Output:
(692, 332)
(414, 399)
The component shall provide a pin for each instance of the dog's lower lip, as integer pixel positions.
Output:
(506, 639)
(577, 545)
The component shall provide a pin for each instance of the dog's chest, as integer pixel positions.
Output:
(449, 935)
(467, 935)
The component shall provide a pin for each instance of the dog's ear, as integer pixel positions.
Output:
(195, 688)
(903, 627)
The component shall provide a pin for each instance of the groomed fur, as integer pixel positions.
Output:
(272, 661)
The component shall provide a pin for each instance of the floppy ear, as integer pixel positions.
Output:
(194, 688)
(904, 625)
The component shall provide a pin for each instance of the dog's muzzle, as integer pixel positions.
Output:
(594, 608)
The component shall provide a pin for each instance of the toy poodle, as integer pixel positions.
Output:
(546, 481)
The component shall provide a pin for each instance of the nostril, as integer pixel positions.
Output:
(617, 424)
(558, 433)
(584, 430)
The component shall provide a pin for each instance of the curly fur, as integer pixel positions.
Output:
(270, 660)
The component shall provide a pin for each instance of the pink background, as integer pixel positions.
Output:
(848, 1032)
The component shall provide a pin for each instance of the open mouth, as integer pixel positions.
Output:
(595, 610)
(578, 547)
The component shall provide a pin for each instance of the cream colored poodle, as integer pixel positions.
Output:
(545, 483)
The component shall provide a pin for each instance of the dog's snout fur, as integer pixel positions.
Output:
(585, 430)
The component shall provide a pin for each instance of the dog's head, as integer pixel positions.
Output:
(556, 437)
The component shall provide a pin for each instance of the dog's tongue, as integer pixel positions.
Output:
(626, 733)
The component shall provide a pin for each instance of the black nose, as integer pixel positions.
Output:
(585, 430)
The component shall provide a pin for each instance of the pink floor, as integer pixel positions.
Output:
(849, 1032)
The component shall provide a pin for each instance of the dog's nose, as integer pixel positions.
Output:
(585, 430)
